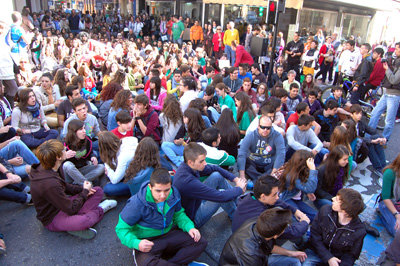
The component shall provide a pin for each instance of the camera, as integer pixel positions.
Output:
(384, 60)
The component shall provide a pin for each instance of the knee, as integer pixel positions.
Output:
(216, 176)
(67, 166)
(99, 191)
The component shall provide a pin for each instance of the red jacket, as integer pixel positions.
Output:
(242, 56)
(324, 50)
(377, 74)
(216, 43)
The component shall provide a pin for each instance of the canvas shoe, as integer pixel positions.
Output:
(87, 234)
(108, 204)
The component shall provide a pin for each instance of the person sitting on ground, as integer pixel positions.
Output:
(65, 109)
(174, 83)
(257, 76)
(156, 94)
(328, 119)
(210, 142)
(81, 164)
(281, 94)
(146, 159)
(266, 196)
(225, 99)
(337, 233)
(124, 121)
(301, 109)
(269, 110)
(246, 112)
(56, 210)
(145, 120)
(190, 131)
(232, 81)
(261, 151)
(170, 238)
(202, 199)
(302, 137)
(230, 134)
(255, 241)
(29, 121)
(201, 105)
(337, 93)
(290, 80)
(312, 102)
(107, 97)
(123, 100)
(188, 92)
(244, 71)
(294, 98)
(170, 118)
(391, 255)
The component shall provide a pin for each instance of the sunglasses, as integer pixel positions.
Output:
(265, 127)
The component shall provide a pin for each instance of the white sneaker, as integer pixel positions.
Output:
(87, 234)
(107, 205)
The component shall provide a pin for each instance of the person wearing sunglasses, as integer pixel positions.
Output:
(262, 151)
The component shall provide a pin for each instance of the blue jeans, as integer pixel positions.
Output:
(318, 203)
(215, 115)
(33, 140)
(230, 54)
(174, 152)
(178, 41)
(387, 218)
(119, 189)
(318, 158)
(312, 258)
(208, 208)
(390, 104)
(17, 147)
(377, 156)
(304, 207)
(13, 192)
(279, 260)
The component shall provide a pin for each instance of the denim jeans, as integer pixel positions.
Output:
(304, 207)
(215, 115)
(390, 104)
(178, 41)
(78, 176)
(33, 140)
(279, 260)
(387, 218)
(208, 208)
(318, 203)
(377, 156)
(17, 147)
(13, 192)
(174, 152)
(117, 190)
(318, 158)
(254, 171)
(9, 135)
(312, 258)
(230, 54)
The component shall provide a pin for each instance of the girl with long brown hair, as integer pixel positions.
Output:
(389, 206)
(147, 158)
(123, 100)
(171, 118)
(156, 93)
(190, 131)
(230, 134)
(116, 154)
(340, 137)
(245, 110)
(333, 173)
(299, 177)
(60, 82)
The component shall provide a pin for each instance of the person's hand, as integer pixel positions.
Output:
(26, 131)
(145, 245)
(91, 192)
(385, 65)
(105, 171)
(14, 179)
(326, 144)
(355, 88)
(242, 183)
(195, 234)
(94, 160)
(70, 154)
(141, 86)
(298, 254)
(310, 161)
(4, 129)
(46, 127)
(397, 224)
(311, 196)
(14, 138)
(87, 185)
(383, 141)
(301, 216)
(334, 261)
(179, 141)
(16, 161)
(57, 103)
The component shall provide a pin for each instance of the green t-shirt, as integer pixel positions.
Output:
(245, 122)
(202, 61)
(228, 101)
(387, 184)
(177, 29)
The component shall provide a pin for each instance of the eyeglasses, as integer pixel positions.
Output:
(265, 127)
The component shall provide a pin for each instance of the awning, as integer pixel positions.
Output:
(297, 4)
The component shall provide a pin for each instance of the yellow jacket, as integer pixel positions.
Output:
(230, 36)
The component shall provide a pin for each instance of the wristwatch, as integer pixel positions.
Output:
(395, 214)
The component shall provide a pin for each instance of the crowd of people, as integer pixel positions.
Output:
(102, 104)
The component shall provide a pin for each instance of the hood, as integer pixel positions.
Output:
(144, 195)
(39, 173)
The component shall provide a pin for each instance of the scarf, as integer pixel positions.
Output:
(35, 110)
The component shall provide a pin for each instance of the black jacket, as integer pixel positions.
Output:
(246, 247)
(330, 239)
(364, 70)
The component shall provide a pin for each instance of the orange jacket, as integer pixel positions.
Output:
(196, 33)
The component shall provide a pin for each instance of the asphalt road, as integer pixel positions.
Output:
(28, 243)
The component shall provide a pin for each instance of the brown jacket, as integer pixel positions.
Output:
(49, 194)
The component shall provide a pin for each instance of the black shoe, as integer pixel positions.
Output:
(371, 230)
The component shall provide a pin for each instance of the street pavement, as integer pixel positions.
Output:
(28, 243)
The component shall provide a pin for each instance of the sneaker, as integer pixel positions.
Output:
(397, 120)
(29, 201)
(84, 234)
(107, 205)
(196, 263)
(27, 189)
(250, 184)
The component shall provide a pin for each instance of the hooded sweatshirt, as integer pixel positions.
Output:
(49, 194)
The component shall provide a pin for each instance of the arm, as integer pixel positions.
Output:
(182, 221)
(315, 140)
(126, 234)
(292, 142)
(280, 152)
(243, 152)
(310, 185)
(317, 241)
(116, 175)
(320, 193)
(317, 128)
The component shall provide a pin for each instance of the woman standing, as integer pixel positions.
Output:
(218, 43)
(208, 40)
(29, 121)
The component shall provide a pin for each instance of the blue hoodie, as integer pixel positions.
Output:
(193, 191)
(263, 151)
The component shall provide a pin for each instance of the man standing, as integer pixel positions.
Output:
(196, 34)
(155, 225)
(178, 29)
(231, 34)
(248, 37)
(390, 100)
(74, 22)
(349, 60)
(294, 50)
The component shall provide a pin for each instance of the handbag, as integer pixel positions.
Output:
(329, 59)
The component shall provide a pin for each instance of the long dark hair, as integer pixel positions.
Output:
(200, 104)
(109, 145)
(146, 155)
(295, 168)
(228, 128)
(351, 131)
(71, 140)
(172, 110)
(59, 79)
(195, 125)
(121, 100)
(395, 166)
(332, 166)
(157, 90)
(110, 90)
(23, 97)
(245, 105)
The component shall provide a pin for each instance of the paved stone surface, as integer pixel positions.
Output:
(28, 243)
